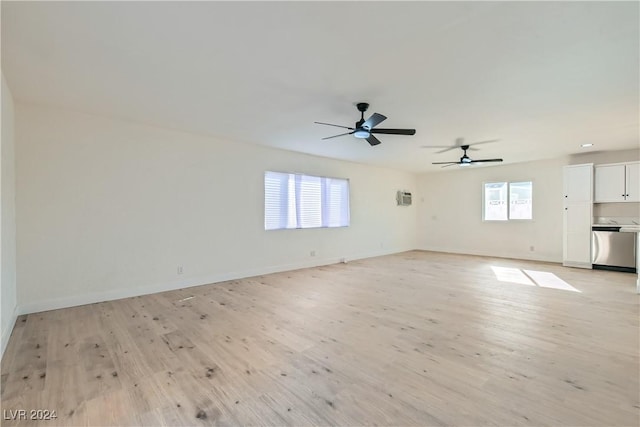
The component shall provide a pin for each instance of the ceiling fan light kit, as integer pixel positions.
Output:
(364, 129)
(361, 133)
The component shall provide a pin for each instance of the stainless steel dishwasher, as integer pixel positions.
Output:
(613, 250)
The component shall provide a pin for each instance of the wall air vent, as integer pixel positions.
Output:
(403, 198)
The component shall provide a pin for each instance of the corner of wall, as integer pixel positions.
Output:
(8, 290)
(7, 329)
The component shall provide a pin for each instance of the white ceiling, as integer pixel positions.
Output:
(543, 77)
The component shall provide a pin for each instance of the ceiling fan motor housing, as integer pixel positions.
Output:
(465, 158)
(362, 107)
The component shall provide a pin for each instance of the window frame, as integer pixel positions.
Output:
(264, 205)
(508, 219)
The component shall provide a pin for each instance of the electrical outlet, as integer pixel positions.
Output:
(180, 271)
(312, 253)
(532, 248)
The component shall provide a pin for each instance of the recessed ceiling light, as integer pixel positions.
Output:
(586, 145)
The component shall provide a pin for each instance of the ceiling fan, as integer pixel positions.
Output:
(465, 160)
(364, 129)
(459, 144)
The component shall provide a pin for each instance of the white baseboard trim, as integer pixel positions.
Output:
(527, 257)
(94, 297)
(6, 332)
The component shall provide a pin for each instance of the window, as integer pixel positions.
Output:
(495, 201)
(304, 201)
(520, 200)
(508, 200)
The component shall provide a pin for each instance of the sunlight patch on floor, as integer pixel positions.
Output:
(512, 275)
(543, 279)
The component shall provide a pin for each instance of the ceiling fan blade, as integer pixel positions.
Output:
(338, 126)
(445, 163)
(335, 136)
(459, 143)
(395, 131)
(448, 149)
(372, 140)
(451, 164)
(486, 160)
(374, 120)
(483, 142)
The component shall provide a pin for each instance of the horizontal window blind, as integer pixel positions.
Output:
(304, 201)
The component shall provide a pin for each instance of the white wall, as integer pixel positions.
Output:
(109, 208)
(450, 217)
(8, 219)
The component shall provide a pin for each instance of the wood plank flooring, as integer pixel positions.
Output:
(417, 338)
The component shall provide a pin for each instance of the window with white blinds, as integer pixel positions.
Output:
(505, 201)
(304, 201)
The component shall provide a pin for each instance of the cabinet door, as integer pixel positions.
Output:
(633, 182)
(610, 181)
(577, 234)
(578, 183)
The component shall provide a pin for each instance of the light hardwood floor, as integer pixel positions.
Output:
(418, 338)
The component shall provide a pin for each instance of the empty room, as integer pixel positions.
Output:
(320, 213)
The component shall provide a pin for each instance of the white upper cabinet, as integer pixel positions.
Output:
(610, 186)
(617, 183)
(578, 183)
